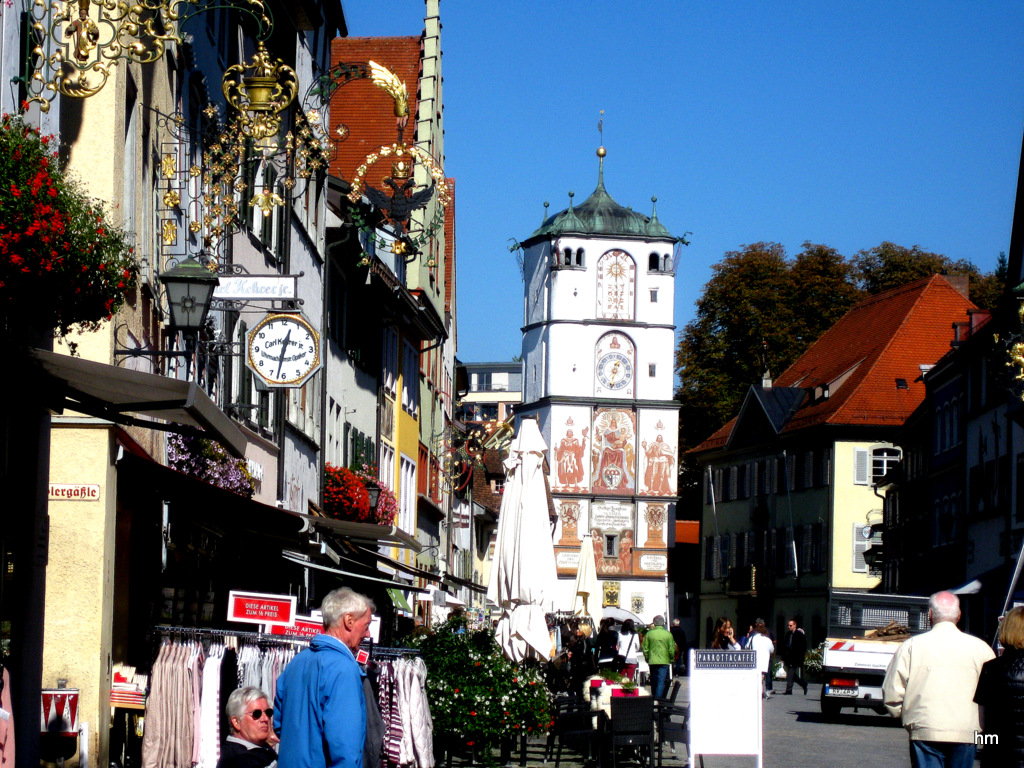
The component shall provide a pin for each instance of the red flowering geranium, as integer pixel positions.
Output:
(61, 262)
(345, 495)
(386, 512)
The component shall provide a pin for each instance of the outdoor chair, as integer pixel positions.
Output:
(573, 726)
(673, 727)
(673, 693)
(632, 725)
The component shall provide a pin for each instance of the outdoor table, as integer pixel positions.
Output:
(601, 697)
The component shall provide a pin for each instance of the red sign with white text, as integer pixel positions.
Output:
(304, 626)
(256, 608)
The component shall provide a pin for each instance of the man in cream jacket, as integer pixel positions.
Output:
(930, 683)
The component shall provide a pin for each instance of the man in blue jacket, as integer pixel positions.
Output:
(319, 708)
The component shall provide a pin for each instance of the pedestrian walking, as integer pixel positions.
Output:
(794, 650)
(679, 635)
(763, 646)
(1001, 696)
(320, 709)
(660, 652)
(930, 684)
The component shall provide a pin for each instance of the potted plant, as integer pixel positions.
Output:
(62, 263)
(628, 688)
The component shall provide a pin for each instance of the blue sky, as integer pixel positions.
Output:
(840, 123)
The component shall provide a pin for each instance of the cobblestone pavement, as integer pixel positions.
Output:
(795, 736)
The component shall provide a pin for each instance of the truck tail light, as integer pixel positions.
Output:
(843, 682)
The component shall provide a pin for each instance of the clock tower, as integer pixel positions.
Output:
(598, 364)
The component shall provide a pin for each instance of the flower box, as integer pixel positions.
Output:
(619, 693)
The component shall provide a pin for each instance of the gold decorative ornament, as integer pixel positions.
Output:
(172, 198)
(169, 231)
(384, 78)
(266, 201)
(261, 90)
(88, 38)
(168, 166)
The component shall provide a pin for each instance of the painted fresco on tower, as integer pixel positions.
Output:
(572, 521)
(657, 453)
(612, 528)
(616, 286)
(569, 465)
(615, 366)
(613, 451)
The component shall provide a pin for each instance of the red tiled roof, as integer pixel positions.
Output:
(366, 109)
(883, 338)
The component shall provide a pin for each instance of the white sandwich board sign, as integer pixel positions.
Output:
(725, 704)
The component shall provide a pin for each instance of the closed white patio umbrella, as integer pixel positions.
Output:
(586, 601)
(523, 578)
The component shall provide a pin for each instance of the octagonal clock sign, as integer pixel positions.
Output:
(283, 350)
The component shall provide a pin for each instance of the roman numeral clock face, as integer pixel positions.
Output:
(283, 350)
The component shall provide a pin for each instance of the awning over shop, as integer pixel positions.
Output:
(362, 532)
(400, 566)
(398, 599)
(453, 600)
(196, 499)
(459, 582)
(292, 558)
(112, 393)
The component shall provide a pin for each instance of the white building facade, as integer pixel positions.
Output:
(598, 351)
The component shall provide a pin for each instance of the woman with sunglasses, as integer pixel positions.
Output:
(251, 718)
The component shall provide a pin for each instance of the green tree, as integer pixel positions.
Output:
(889, 266)
(761, 310)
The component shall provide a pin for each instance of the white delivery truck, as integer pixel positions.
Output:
(864, 631)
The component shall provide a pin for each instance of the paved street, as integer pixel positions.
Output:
(795, 736)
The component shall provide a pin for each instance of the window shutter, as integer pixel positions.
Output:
(732, 552)
(861, 466)
(716, 568)
(733, 482)
(809, 469)
(860, 545)
(826, 467)
(805, 549)
(723, 555)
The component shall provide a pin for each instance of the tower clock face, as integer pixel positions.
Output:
(283, 350)
(614, 371)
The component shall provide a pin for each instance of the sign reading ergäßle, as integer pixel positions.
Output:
(257, 608)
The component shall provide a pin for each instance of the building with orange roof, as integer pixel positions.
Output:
(789, 504)
(394, 350)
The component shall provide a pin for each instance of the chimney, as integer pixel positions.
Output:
(961, 284)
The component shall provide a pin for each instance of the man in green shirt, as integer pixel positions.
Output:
(660, 651)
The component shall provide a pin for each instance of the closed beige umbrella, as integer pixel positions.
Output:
(586, 600)
(523, 577)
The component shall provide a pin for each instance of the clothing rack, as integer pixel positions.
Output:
(376, 652)
(259, 637)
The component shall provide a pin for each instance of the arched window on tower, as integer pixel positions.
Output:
(666, 263)
(579, 257)
(567, 256)
(653, 263)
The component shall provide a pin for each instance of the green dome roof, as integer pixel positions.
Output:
(599, 214)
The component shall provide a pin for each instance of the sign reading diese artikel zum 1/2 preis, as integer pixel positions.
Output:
(257, 608)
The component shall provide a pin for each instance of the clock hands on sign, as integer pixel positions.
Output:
(283, 350)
